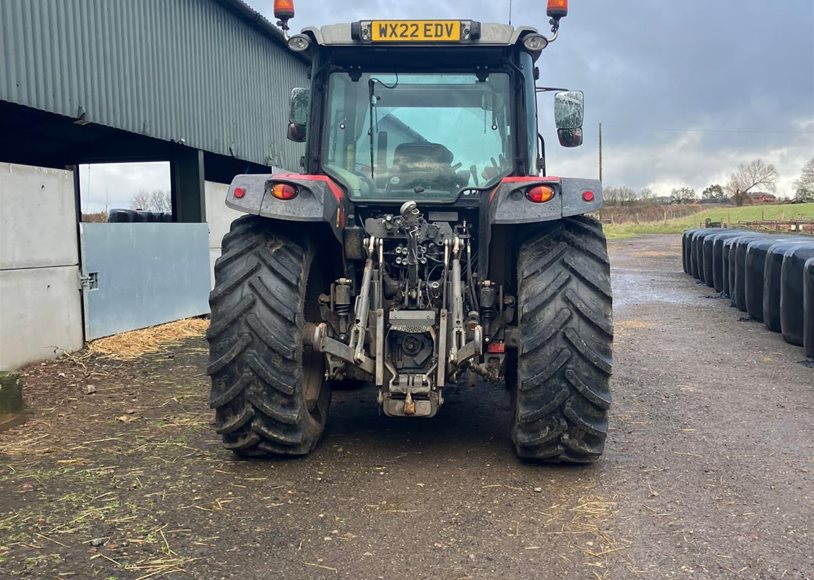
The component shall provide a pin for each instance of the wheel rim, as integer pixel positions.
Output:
(313, 369)
(313, 362)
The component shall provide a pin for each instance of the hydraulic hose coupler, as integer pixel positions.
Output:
(342, 300)
(488, 305)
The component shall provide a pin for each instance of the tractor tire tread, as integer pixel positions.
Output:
(565, 357)
(255, 342)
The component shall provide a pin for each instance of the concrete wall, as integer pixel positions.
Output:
(219, 217)
(40, 302)
(40, 305)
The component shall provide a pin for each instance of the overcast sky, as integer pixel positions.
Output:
(685, 90)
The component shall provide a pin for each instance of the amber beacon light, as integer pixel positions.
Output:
(557, 8)
(284, 9)
(283, 12)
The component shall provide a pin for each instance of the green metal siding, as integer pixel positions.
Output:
(178, 70)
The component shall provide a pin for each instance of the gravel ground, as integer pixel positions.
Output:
(707, 473)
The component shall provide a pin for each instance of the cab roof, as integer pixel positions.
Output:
(482, 35)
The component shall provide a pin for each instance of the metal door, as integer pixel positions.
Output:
(136, 275)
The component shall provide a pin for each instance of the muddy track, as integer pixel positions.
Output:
(707, 472)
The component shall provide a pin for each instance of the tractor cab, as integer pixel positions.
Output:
(425, 110)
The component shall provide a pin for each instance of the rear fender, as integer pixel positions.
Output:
(318, 199)
(508, 203)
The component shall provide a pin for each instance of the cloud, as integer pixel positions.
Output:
(686, 91)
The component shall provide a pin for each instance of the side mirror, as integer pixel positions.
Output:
(296, 133)
(569, 109)
(569, 113)
(570, 137)
(298, 114)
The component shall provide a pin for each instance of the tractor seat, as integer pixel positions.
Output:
(422, 157)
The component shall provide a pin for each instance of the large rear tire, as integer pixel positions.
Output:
(268, 390)
(562, 392)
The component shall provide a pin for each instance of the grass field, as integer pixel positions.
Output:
(731, 215)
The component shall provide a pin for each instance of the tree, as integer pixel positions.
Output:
(804, 187)
(619, 196)
(646, 195)
(749, 176)
(713, 192)
(683, 195)
(140, 201)
(161, 201)
(611, 195)
(627, 196)
(158, 201)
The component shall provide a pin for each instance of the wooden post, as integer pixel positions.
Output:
(600, 152)
(11, 393)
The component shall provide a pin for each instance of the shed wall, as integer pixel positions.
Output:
(190, 71)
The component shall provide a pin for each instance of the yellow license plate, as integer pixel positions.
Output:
(415, 30)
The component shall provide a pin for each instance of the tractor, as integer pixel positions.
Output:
(423, 245)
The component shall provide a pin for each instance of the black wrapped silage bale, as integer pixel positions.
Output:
(791, 292)
(772, 274)
(808, 308)
(737, 269)
(717, 257)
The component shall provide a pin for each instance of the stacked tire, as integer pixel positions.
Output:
(769, 277)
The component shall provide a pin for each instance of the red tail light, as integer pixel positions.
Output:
(284, 191)
(239, 192)
(540, 194)
(588, 196)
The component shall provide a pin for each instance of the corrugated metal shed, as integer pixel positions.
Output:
(212, 74)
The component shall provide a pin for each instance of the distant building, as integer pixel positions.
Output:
(761, 198)
(716, 201)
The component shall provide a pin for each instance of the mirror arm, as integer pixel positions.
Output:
(555, 28)
(283, 24)
(541, 168)
(549, 89)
